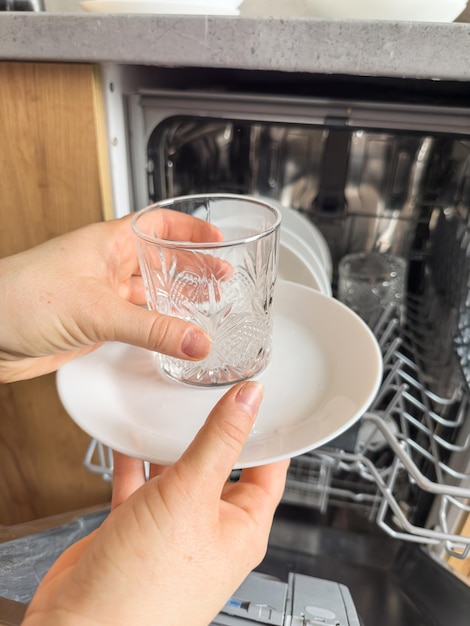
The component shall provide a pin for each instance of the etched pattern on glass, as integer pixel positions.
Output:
(231, 303)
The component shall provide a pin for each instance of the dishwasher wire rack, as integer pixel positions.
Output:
(412, 448)
(411, 451)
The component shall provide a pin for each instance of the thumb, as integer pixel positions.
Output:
(162, 333)
(212, 455)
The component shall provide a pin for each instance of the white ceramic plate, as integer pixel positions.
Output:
(408, 10)
(325, 371)
(292, 267)
(313, 270)
(161, 8)
(299, 225)
(298, 262)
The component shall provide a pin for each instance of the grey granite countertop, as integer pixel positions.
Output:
(360, 48)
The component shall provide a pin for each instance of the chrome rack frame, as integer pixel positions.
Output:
(423, 437)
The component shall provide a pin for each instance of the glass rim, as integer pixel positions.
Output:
(352, 257)
(200, 245)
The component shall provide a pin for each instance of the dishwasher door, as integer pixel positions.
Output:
(391, 583)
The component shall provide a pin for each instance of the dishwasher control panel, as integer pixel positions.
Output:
(302, 601)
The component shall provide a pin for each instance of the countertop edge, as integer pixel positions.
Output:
(389, 49)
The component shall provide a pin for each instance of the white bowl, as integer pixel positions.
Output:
(406, 10)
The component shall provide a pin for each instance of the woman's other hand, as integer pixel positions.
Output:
(175, 548)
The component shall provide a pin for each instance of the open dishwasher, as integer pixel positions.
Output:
(387, 172)
(383, 510)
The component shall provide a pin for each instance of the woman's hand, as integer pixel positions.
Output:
(68, 295)
(175, 548)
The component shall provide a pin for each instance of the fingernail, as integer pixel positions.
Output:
(196, 344)
(250, 395)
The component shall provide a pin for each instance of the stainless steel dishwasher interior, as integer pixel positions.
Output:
(371, 176)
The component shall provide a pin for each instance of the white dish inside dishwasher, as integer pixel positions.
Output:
(299, 264)
(297, 224)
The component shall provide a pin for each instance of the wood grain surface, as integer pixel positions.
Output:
(50, 183)
(462, 566)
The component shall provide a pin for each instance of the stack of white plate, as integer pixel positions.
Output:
(304, 254)
(171, 7)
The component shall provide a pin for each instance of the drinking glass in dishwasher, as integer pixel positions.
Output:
(372, 284)
(226, 286)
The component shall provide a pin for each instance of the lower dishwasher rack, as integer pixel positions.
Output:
(408, 467)
(406, 463)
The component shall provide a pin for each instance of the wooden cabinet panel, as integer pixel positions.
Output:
(50, 183)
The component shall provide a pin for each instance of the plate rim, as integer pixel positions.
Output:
(316, 239)
(299, 247)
